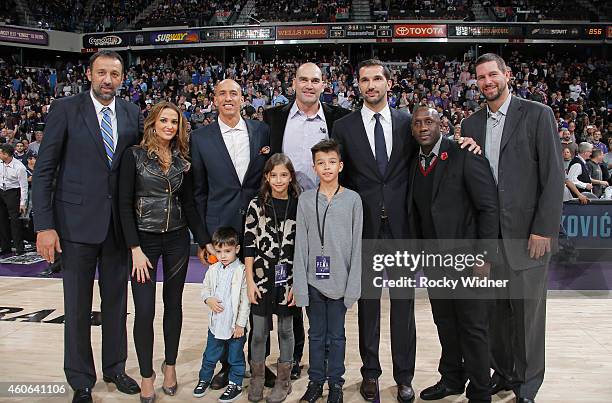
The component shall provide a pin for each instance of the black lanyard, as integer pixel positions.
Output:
(322, 230)
(279, 239)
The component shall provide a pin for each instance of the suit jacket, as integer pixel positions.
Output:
(277, 118)
(74, 190)
(220, 198)
(530, 176)
(464, 201)
(361, 173)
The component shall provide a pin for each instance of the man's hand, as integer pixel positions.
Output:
(22, 210)
(538, 246)
(47, 243)
(238, 332)
(202, 256)
(583, 199)
(470, 143)
(482, 271)
(291, 298)
(214, 304)
(589, 186)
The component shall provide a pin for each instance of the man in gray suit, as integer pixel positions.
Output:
(521, 143)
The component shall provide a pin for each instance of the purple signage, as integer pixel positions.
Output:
(10, 34)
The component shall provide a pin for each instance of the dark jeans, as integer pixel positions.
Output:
(9, 218)
(215, 350)
(173, 248)
(326, 317)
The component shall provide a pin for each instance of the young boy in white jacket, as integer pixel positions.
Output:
(225, 293)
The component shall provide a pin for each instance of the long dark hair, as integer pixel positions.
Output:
(265, 190)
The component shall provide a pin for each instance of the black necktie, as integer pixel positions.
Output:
(380, 146)
(427, 160)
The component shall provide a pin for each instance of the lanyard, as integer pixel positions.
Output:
(322, 230)
(279, 239)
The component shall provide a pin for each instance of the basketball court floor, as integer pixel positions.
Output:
(579, 340)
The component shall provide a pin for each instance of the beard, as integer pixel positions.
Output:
(100, 95)
(376, 99)
(495, 96)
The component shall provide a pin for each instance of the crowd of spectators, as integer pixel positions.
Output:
(59, 15)
(536, 10)
(8, 12)
(577, 90)
(302, 10)
(424, 9)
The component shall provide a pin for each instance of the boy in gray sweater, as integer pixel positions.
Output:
(327, 268)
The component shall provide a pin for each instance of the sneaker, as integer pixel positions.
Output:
(201, 388)
(232, 392)
(335, 394)
(313, 392)
(296, 370)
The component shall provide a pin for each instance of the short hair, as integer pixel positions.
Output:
(584, 147)
(596, 153)
(7, 148)
(492, 57)
(374, 62)
(326, 146)
(225, 236)
(106, 53)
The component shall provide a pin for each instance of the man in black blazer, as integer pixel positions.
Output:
(374, 143)
(453, 196)
(294, 129)
(228, 157)
(522, 145)
(75, 205)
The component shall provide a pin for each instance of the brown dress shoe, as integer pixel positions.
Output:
(369, 389)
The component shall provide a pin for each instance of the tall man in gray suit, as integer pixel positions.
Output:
(521, 143)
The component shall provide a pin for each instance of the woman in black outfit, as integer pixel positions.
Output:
(156, 206)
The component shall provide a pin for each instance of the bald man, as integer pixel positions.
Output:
(294, 129)
(452, 195)
(228, 157)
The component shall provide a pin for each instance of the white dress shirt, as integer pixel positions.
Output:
(98, 106)
(574, 172)
(15, 176)
(237, 143)
(369, 121)
(301, 133)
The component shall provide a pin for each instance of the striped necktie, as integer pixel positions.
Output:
(107, 135)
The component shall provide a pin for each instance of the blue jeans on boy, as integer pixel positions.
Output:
(326, 318)
(213, 353)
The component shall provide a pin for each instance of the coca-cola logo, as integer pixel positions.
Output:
(109, 40)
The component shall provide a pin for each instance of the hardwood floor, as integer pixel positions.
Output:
(579, 348)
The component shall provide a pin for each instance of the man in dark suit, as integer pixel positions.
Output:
(453, 196)
(75, 205)
(228, 157)
(294, 129)
(521, 143)
(374, 143)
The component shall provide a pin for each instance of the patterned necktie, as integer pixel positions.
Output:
(107, 135)
(427, 160)
(380, 146)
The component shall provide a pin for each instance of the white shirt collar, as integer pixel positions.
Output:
(368, 114)
(225, 128)
(503, 109)
(99, 106)
(10, 164)
(295, 110)
(436, 150)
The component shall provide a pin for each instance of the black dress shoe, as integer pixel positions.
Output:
(499, 383)
(369, 389)
(405, 394)
(82, 396)
(296, 370)
(220, 380)
(524, 400)
(270, 378)
(439, 391)
(123, 382)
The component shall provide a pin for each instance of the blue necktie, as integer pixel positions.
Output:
(380, 147)
(107, 135)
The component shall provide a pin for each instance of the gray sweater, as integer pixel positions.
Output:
(343, 228)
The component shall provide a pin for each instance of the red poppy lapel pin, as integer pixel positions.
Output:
(444, 156)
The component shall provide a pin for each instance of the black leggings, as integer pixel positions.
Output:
(173, 247)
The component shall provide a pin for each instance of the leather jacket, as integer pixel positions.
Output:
(157, 205)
